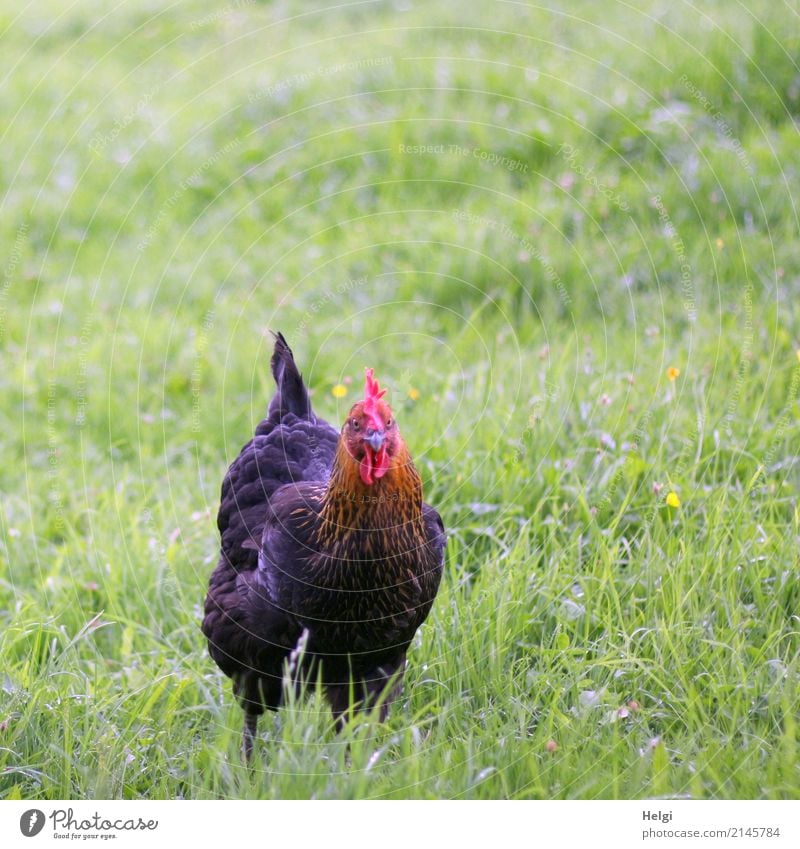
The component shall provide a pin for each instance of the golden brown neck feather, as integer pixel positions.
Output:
(393, 500)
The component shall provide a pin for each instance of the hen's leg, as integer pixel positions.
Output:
(255, 692)
(386, 681)
(249, 735)
(368, 690)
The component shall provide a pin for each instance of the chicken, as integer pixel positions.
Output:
(330, 560)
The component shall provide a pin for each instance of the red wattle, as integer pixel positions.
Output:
(381, 463)
(365, 468)
(374, 465)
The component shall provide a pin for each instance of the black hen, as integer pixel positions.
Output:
(329, 560)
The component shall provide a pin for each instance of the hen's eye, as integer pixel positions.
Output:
(354, 424)
(388, 422)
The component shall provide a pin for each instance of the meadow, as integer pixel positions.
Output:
(565, 238)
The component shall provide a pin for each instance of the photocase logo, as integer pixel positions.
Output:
(31, 822)
(66, 824)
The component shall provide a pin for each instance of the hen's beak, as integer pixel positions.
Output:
(375, 440)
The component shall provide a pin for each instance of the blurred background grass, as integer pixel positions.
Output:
(521, 216)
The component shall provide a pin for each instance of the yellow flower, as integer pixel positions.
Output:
(339, 391)
(798, 355)
(673, 500)
(672, 372)
(720, 244)
(413, 394)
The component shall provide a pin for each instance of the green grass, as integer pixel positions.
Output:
(178, 178)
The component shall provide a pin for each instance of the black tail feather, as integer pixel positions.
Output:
(292, 395)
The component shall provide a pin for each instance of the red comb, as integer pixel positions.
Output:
(372, 393)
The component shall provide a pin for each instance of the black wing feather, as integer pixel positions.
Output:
(245, 632)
